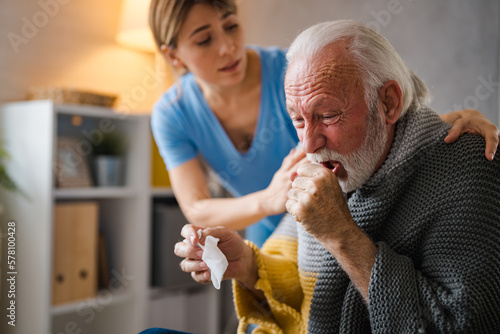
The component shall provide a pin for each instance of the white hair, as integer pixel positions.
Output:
(376, 59)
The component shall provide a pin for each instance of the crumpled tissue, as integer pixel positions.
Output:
(214, 258)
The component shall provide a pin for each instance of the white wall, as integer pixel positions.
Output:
(70, 43)
(453, 45)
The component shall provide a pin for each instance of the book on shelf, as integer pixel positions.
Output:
(75, 248)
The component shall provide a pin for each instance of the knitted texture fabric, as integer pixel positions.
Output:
(433, 210)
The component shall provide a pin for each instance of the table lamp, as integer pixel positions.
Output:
(134, 30)
(134, 33)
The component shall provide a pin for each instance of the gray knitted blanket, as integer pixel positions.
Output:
(433, 209)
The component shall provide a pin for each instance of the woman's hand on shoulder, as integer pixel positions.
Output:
(472, 121)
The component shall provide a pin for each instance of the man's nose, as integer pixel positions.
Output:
(312, 139)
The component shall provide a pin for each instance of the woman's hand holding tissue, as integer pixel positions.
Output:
(240, 257)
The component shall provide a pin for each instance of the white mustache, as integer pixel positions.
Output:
(325, 155)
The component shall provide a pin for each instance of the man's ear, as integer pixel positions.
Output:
(170, 55)
(391, 97)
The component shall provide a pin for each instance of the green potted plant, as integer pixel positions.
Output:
(6, 182)
(108, 160)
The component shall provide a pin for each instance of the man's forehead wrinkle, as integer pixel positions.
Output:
(323, 78)
(306, 87)
(339, 70)
(313, 81)
(306, 83)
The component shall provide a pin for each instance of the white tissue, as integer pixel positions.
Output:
(214, 258)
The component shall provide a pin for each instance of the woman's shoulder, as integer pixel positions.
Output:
(273, 64)
(270, 54)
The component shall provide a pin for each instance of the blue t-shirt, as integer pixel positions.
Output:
(184, 126)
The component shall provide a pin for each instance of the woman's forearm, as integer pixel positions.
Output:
(235, 213)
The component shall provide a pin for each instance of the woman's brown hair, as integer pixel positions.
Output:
(167, 16)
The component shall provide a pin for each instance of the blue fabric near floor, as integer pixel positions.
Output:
(161, 331)
(250, 328)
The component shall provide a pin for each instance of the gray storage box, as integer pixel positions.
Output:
(168, 221)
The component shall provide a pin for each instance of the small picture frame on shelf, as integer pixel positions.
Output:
(71, 165)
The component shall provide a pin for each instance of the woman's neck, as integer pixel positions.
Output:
(237, 107)
(216, 94)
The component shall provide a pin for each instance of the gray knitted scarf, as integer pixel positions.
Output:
(425, 189)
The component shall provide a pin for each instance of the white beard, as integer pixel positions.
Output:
(360, 164)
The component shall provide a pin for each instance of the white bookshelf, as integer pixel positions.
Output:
(129, 305)
(30, 131)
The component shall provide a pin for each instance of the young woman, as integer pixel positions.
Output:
(228, 109)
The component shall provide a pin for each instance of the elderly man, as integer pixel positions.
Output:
(391, 229)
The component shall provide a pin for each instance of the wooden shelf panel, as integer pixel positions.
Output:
(95, 193)
(73, 307)
(162, 191)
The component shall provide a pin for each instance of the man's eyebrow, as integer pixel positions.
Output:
(318, 104)
(208, 25)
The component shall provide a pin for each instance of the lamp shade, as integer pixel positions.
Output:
(134, 30)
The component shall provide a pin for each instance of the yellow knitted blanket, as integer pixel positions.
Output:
(287, 288)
